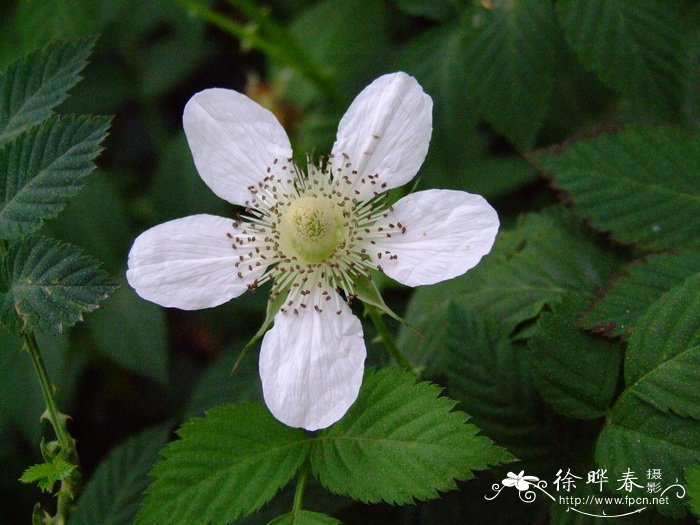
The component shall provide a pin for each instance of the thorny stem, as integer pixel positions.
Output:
(386, 338)
(69, 487)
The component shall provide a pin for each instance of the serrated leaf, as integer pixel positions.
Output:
(47, 474)
(400, 442)
(641, 184)
(692, 477)
(633, 291)
(633, 46)
(491, 378)
(114, 492)
(226, 464)
(663, 358)
(575, 372)
(305, 517)
(639, 437)
(509, 51)
(38, 82)
(645, 428)
(547, 256)
(50, 285)
(44, 168)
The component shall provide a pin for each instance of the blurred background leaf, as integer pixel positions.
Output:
(508, 79)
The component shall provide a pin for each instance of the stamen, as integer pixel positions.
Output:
(311, 233)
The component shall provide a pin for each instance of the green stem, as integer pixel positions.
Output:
(285, 50)
(69, 486)
(57, 422)
(386, 338)
(299, 491)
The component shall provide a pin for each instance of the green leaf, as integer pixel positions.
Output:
(509, 51)
(114, 492)
(44, 168)
(645, 427)
(305, 517)
(642, 185)
(49, 285)
(663, 357)
(575, 372)
(226, 464)
(108, 238)
(639, 437)
(132, 333)
(361, 25)
(491, 378)
(547, 256)
(691, 102)
(433, 9)
(435, 58)
(177, 189)
(490, 176)
(44, 22)
(632, 292)
(38, 82)
(635, 47)
(47, 474)
(218, 385)
(692, 477)
(400, 442)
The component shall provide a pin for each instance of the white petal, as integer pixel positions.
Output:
(522, 485)
(386, 131)
(311, 365)
(447, 233)
(233, 141)
(188, 263)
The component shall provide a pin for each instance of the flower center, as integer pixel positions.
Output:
(312, 228)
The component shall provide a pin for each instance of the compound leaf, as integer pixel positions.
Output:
(400, 442)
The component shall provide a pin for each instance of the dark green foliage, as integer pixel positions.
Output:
(692, 476)
(635, 289)
(633, 46)
(304, 517)
(575, 372)
(113, 495)
(549, 255)
(226, 464)
(641, 184)
(490, 376)
(573, 344)
(33, 86)
(49, 285)
(44, 168)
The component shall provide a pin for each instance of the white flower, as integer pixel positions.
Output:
(311, 233)
(519, 481)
